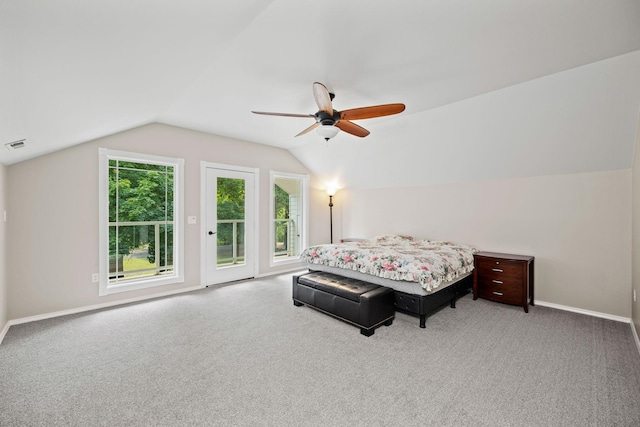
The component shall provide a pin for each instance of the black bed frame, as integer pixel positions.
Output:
(424, 305)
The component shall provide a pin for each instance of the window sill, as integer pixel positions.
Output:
(136, 285)
(284, 261)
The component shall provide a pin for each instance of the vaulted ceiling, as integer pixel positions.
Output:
(493, 89)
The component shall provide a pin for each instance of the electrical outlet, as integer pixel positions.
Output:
(95, 278)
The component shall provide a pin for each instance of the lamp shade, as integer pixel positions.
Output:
(331, 191)
(327, 131)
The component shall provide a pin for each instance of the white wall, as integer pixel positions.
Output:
(3, 239)
(635, 306)
(53, 214)
(577, 226)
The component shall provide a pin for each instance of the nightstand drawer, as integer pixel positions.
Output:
(490, 267)
(500, 292)
(491, 282)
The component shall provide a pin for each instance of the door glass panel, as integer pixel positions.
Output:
(230, 222)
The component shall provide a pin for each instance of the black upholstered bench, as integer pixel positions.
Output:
(362, 304)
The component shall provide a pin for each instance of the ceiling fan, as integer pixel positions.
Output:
(330, 121)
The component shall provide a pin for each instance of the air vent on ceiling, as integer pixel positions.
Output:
(15, 144)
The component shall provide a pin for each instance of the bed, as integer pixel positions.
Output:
(424, 274)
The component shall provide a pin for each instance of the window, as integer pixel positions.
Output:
(288, 216)
(140, 221)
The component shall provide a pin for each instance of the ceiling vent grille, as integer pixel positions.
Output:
(15, 144)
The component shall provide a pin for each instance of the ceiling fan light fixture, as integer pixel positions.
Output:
(327, 131)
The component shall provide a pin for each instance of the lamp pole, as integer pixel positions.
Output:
(331, 217)
(331, 191)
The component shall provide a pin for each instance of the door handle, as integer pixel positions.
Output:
(211, 233)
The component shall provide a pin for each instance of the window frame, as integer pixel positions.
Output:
(273, 175)
(105, 155)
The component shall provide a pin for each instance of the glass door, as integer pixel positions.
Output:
(230, 225)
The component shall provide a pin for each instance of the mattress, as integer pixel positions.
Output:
(413, 288)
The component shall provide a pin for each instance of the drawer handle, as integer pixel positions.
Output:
(497, 269)
(498, 293)
(497, 281)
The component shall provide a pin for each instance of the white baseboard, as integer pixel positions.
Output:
(97, 306)
(635, 336)
(582, 311)
(295, 269)
(4, 331)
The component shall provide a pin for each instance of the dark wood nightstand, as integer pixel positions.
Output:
(504, 278)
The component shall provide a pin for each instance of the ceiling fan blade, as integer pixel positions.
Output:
(309, 129)
(352, 128)
(282, 114)
(371, 112)
(322, 97)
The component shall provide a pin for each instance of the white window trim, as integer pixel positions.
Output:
(305, 216)
(105, 155)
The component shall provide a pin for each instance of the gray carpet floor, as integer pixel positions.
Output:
(244, 355)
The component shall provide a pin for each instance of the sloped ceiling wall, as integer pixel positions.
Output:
(580, 120)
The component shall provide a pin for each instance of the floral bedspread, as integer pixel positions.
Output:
(395, 257)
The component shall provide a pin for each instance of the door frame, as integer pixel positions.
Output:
(204, 165)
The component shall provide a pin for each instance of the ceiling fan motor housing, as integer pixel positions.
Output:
(326, 119)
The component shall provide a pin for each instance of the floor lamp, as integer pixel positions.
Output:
(331, 192)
